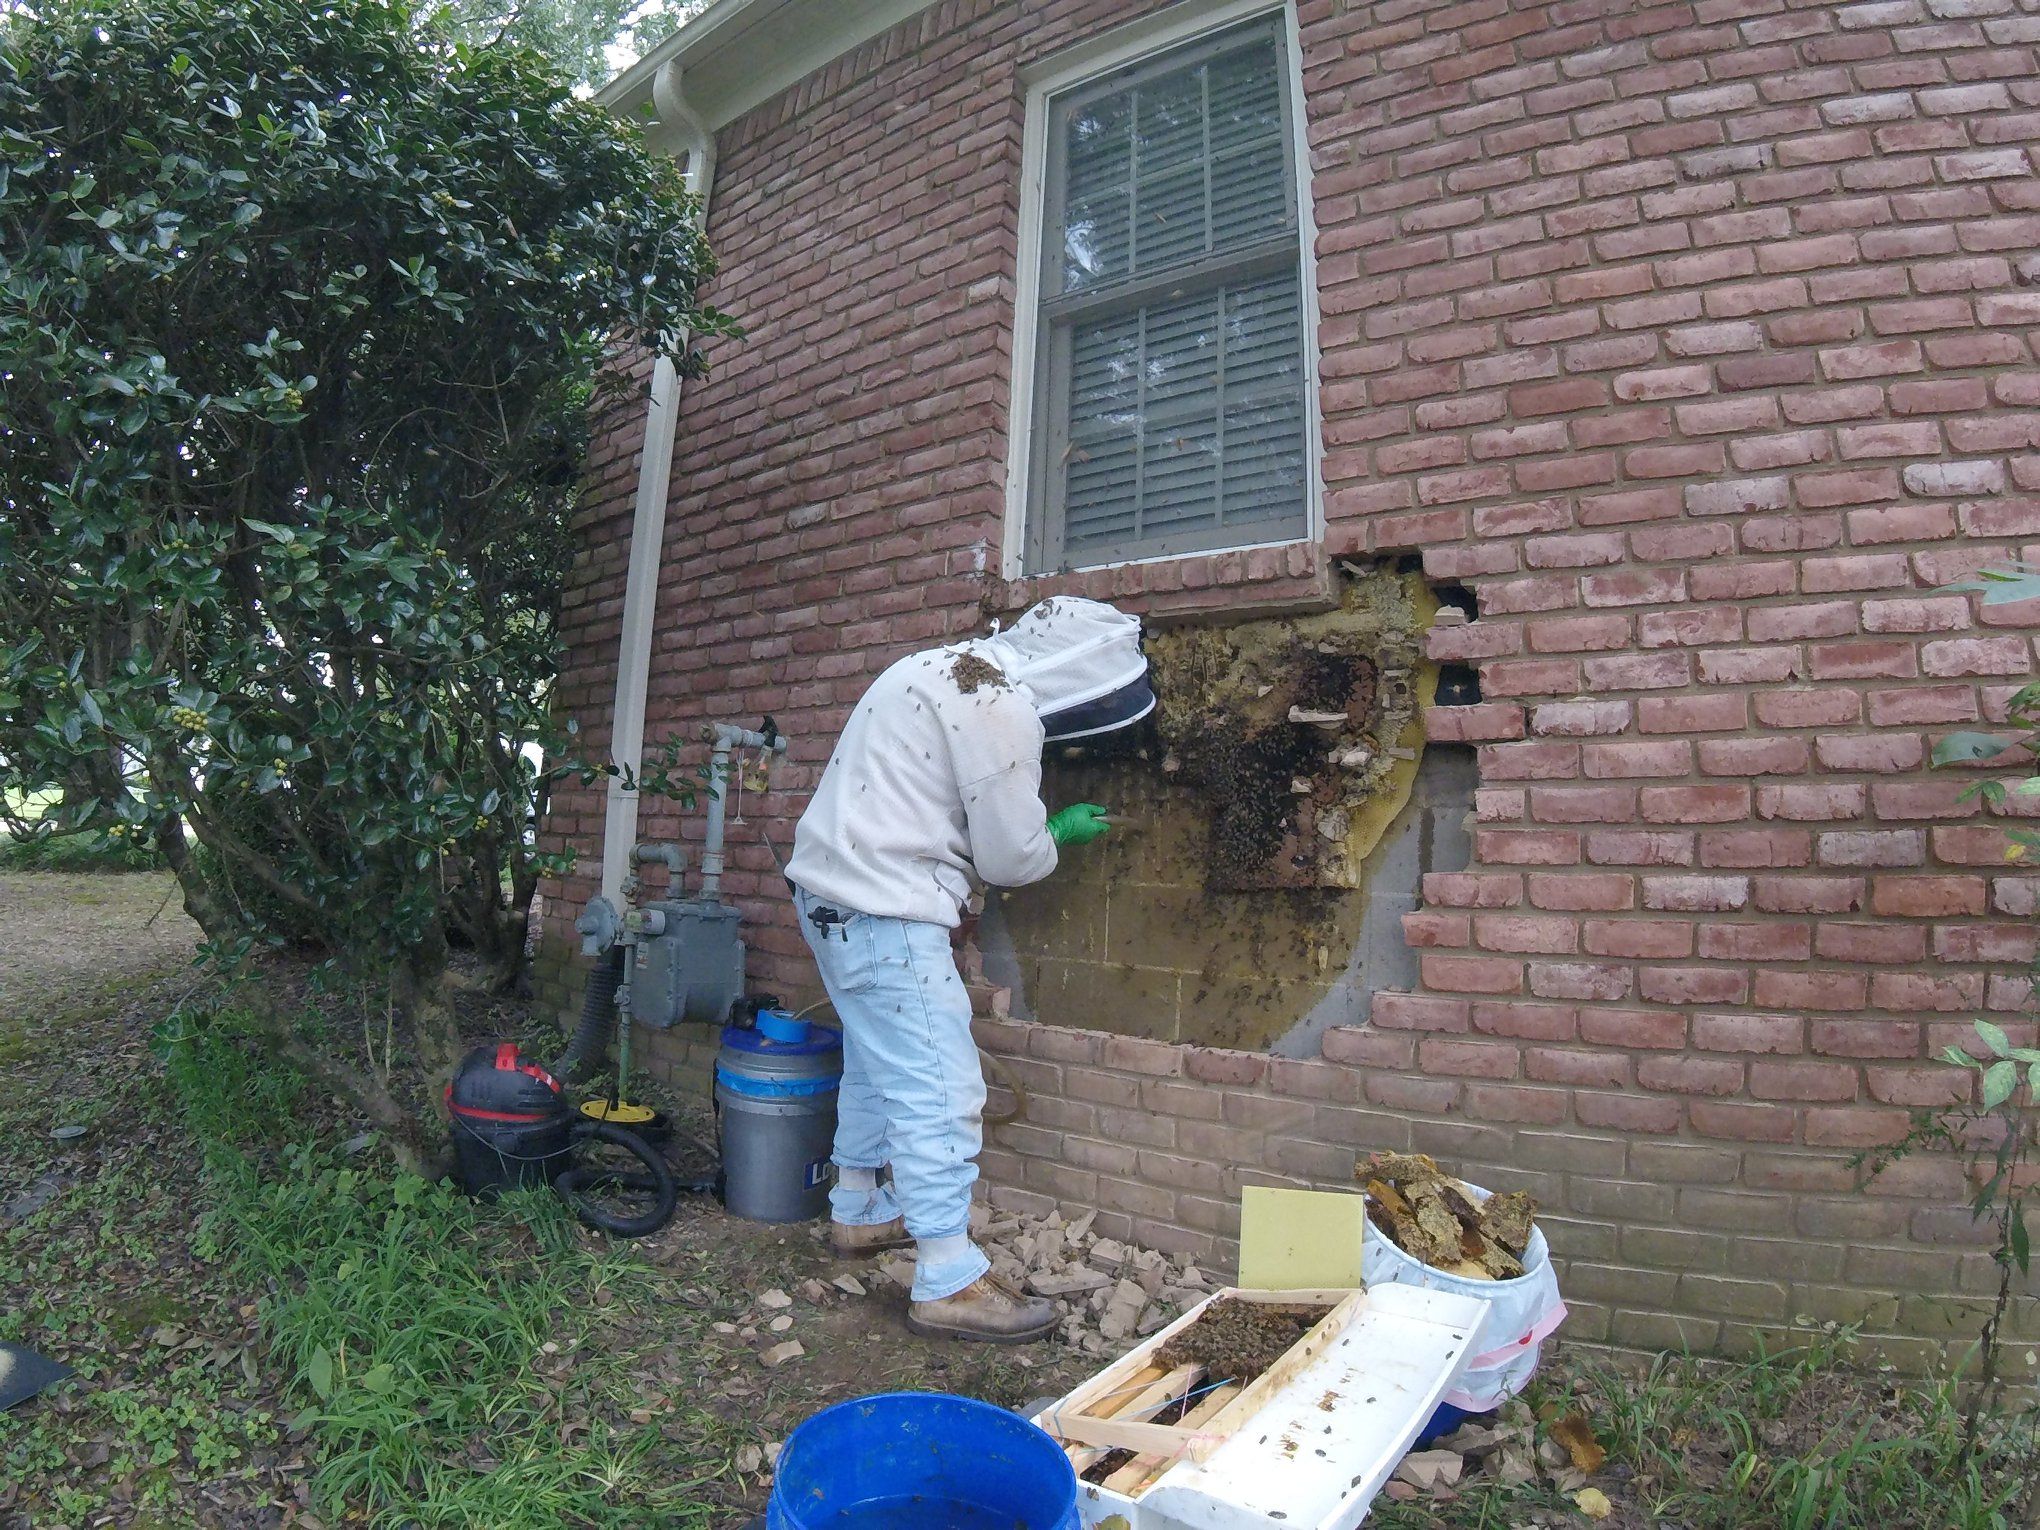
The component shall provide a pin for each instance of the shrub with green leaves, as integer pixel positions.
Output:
(302, 311)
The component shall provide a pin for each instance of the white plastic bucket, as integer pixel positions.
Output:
(1522, 1313)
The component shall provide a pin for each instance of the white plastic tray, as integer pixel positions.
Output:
(1316, 1453)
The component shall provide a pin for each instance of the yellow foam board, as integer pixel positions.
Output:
(1297, 1240)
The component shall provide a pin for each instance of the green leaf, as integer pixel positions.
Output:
(2000, 1079)
(1969, 747)
(1994, 1037)
(2015, 1229)
(379, 1378)
(319, 1372)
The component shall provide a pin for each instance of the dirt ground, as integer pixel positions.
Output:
(69, 940)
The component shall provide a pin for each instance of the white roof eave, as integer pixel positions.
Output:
(738, 54)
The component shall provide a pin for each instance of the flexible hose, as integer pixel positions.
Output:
(598, 1014)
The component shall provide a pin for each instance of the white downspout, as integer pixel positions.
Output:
(648, 526)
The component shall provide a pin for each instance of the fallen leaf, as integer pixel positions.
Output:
(1577, 1436)
(1593, 1503)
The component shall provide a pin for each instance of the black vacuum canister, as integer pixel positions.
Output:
(510, 1123)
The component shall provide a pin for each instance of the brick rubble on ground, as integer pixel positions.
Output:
(1107, 1292)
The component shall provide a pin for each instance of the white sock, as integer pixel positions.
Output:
(857, 1179)
(939, 1251)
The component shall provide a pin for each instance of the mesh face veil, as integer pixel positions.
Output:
(1081, 664)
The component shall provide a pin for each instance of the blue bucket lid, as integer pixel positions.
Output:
(820, 1039)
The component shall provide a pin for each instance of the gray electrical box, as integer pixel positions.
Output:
(693, 970)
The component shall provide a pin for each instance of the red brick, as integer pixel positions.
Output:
(1692, 985)
(1885, 753)
(1526, 933)
(1472, 724)
(1881, 942)
(1690, 1075)
(1812, 803)
(1459, 889)
(1628, 758)
(1809, 708)
(1872, 847)
(1637, 939)
(1756, 847)
(1429, 928)
(1746, 757)
(1749, 1033)
(1741, 1123)
(1537, 1022)
(1787, 624)
(1807, 895)
(1776, 942)
(1695, 894)
(1471, 974)
(1694, 804)
(1945, 991)
(1923, 704)
(1626, 1113)
(1692, 714)
(1743, 581)
(1419, 1012)
(1802, 1081)
(1977, 656)
(1469, 1059)
(1688, 627)
(1812, 990)
(1930, 1085)
(1635, 847)
(1862, 661)
(1582, 891)
(1579, 980)
(1578, 633)
(1853, 1127)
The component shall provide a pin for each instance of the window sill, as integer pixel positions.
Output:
(1282, 577)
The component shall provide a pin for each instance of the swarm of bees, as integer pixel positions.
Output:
(1433, 1217)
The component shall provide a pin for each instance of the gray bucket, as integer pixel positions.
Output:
(777, 1101)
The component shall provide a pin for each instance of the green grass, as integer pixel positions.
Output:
(1797, 1440)
(437, 1345)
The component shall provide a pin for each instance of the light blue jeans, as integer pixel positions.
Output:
(913, 1092)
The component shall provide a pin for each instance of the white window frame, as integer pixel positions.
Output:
(1170, 28)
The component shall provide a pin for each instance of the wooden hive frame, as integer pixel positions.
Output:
(1115, 1409)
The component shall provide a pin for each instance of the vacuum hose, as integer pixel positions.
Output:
(598, 1013)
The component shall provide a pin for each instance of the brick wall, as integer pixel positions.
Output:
(1694, 339)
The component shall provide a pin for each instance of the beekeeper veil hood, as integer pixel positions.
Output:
(1080, 662)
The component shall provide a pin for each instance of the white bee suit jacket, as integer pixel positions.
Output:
(937, 777)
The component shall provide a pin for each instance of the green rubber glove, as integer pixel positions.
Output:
(1077, 824)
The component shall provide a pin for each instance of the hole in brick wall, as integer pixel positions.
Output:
(1456, 597)
(1276, 826)
(1458, 685)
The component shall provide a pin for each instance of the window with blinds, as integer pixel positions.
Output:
(1170, 399)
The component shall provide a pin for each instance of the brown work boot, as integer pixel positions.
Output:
(988, 1311)
(849, 1242)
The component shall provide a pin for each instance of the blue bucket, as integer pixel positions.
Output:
(921, 1461)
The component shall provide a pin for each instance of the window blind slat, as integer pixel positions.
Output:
(1214, 387)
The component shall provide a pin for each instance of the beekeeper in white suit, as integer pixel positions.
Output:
(935, 786)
